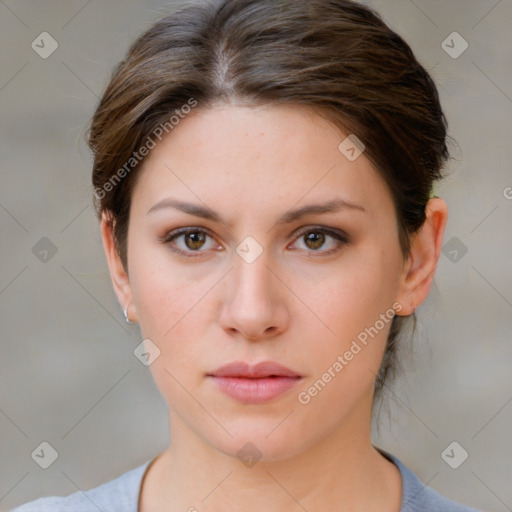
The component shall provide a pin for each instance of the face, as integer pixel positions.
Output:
(252, 238)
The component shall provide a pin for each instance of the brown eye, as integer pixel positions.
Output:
(314, 239)
(195, 239)
(190, 242)
(321, 240)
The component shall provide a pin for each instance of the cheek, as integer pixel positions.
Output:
(176, 310)
(357, 308)
(163, 292)
(171, 311)
(172, 314)
(360, 293)
(343, 367)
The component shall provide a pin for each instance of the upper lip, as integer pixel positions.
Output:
(260, 370)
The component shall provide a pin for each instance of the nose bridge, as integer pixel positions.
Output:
(252, 280)
(252, 305)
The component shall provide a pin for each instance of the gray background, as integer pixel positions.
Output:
(68, 374)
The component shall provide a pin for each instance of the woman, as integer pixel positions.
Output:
(263, 173)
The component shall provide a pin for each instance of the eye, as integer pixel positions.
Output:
(190, 240)
(314, 239)
(187, 241)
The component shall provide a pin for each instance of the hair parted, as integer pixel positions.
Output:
(336, 57)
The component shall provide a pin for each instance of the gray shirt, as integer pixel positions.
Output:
(122, 495)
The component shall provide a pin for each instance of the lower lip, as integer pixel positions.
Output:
(255, 391)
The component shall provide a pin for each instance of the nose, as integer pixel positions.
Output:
(254, 304)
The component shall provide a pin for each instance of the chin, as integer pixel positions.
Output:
(263, 441)
(253, 449)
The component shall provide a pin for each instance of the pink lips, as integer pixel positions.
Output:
(254, 384)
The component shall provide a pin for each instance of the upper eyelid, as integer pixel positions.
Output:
(175, 233)
(169, 237)
(340, 235)
(332, 232)
(296, 232)
(324, 229)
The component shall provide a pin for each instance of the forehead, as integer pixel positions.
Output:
(257, 159)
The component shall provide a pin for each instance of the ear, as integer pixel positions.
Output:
(118, 274)
(426, 244)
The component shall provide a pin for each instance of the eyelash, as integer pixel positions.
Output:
(341, 238)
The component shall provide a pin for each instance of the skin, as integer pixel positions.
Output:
(295, 304)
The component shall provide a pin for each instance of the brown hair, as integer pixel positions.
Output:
(335, 56)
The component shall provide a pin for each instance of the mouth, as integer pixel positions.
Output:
(254, 384)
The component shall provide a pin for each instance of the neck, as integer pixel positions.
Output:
(341, 472)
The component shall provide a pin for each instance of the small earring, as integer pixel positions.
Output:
(413, 309)
(125, 311)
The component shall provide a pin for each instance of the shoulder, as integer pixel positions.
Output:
(122, 495)
(418, 497)
(118, 495)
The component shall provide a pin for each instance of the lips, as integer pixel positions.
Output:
(254, 384)
(263, 369)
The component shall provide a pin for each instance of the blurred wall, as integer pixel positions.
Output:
(67, 369)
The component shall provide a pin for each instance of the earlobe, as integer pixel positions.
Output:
(420, 267)
(118, 274)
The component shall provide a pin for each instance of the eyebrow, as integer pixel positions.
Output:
(334, 205)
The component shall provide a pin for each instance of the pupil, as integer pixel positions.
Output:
(195, 240)
(316, 239)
